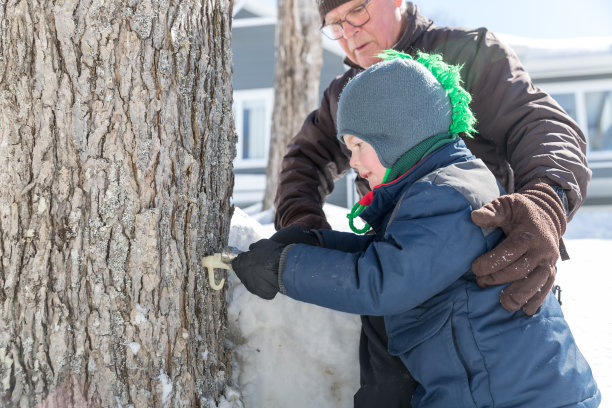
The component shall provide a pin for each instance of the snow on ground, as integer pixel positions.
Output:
(292, 354)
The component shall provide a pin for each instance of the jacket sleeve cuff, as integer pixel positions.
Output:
(281, 268)
(561, 193)
(319, 236)
(558, 190)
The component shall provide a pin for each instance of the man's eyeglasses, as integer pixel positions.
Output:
(356, 17)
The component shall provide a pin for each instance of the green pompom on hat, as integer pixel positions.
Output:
(450, 77)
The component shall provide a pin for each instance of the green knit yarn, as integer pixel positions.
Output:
(463, 120)
(355, 212)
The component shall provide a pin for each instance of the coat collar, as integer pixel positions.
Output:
(384, 197)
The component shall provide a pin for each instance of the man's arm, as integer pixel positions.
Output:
(523, 133)
(315, 159)
(531, 145)
(542, 141)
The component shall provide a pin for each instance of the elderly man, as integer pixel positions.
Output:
(535, 150)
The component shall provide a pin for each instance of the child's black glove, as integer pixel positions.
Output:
(257, 268)
(294, 234)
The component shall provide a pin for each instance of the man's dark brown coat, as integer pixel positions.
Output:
(523, 134)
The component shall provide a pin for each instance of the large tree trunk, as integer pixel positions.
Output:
(296, 80)
(116, 148)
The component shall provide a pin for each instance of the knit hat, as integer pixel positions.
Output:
(325, 6)
(405, 109)
(398, 103)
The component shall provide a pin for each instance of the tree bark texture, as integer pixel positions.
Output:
(116, 149)
(299, 57)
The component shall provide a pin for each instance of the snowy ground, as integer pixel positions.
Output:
(290, 354)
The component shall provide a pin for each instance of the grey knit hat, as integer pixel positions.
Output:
(325, 6)
(394, 105)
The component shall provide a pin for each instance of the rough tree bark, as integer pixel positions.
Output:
(116, 148)
(299, 56)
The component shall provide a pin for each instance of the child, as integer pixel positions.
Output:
(400, 119)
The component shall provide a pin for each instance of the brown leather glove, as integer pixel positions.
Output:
(533, 220)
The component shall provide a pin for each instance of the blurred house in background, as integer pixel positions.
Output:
(577, 72)
(253, 38)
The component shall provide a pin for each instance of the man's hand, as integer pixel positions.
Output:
(258, 268)
(533, 220)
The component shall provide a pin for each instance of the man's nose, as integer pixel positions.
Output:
(348, 30)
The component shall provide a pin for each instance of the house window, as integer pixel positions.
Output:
(599, 119)
(590, 104)
(568, 102)
(252, 114)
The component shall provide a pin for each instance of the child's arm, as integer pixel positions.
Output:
(345, 241)
(427, 247)
(342, 241)
(258, 268)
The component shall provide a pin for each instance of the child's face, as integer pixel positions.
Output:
(365, 160)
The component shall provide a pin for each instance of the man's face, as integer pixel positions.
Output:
(381, 32)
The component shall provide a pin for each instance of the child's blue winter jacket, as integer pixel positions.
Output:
(459, 343)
